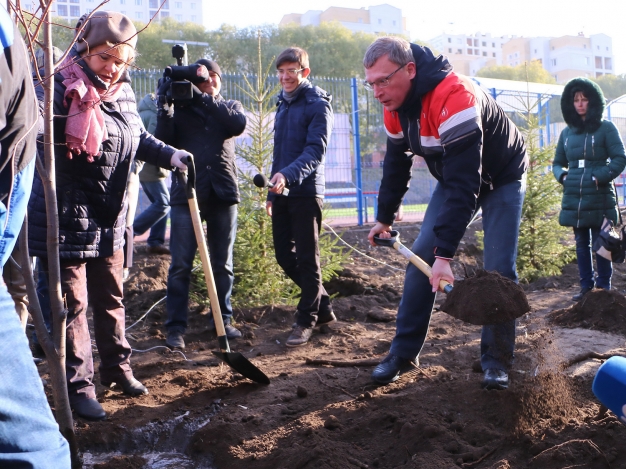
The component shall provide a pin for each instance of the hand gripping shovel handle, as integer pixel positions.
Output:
(189, 182)
(413, 258)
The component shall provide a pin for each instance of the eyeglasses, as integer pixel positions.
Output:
(289, 73)
(383, 82)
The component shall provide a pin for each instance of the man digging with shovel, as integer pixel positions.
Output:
(479, 159)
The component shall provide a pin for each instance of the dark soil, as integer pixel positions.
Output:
(601, 310)
(325, 416)
(486, 298)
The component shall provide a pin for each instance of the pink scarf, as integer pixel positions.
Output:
(85, 129)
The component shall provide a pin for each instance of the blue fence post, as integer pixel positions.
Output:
(357, 150)
(539, 119)
(548, 136)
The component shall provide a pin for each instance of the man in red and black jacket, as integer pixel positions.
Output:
(479, 159)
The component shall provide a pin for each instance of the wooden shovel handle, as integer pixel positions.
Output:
(189, 182)
(418, 262)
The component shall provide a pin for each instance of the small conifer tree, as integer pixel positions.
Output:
(541, 250)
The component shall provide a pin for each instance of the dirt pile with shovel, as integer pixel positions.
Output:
(486, 298)
(333, 417)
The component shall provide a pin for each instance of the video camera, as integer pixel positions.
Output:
(178, 79)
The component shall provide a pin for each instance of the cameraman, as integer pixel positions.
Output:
(205, 126)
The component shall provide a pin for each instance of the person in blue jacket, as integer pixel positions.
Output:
(304, 121)
(29, 435)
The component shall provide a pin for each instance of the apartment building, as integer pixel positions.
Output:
(139, 10)
(376, 19)
(470, 53)
(564, 57)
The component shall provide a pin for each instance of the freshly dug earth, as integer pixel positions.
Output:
(602, 310)
(325, 416)
(486, 298)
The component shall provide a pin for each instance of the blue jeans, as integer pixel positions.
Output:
(502, 210)
(221, 222)
(29, 435)
(584, 240)
(154, 218)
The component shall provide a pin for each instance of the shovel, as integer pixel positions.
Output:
(235, 360)
(394, 242)
(487, 298)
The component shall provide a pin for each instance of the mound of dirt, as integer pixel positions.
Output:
(602, 310)
(486, 298)
(320, 413)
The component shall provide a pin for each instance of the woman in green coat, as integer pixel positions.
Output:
(589, 155)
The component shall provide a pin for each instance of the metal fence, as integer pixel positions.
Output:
(352, 183)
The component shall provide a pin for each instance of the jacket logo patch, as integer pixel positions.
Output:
(444, 112)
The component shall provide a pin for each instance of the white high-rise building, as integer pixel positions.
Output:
(564, 57)
(137, 10)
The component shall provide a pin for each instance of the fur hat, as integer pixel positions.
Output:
(104, 27)
(211, 66)
(595, 109)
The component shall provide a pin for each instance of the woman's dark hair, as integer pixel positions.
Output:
(595, 109)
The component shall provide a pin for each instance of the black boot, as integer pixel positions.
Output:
(89, 409)
(495, 379)
(231, 331)
(392, 367)
(583, 291)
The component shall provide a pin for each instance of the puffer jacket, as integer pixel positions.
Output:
(466, 139)
(91, 197)
(589, 155)
(206, 127)
(301, 134)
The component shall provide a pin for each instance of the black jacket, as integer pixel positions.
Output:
(466, 139)
(18, 112)
(301, 134)
(91, 197)
(205, 127)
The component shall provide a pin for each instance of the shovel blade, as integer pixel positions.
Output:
(243, 366)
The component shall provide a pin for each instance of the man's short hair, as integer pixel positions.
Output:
(397, 49)
(293, 54)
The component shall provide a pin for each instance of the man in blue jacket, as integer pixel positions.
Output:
(304, 120)
(479, 160)
(29, 436)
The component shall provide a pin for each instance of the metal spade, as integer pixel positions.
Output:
(235, 360)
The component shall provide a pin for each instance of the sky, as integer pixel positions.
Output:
(427, 18)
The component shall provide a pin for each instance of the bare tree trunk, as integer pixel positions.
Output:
(55, 356)
(55, 348)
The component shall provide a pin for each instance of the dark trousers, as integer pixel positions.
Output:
(221, 222)
(296, 225)
(585, 237)
(99, 282)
